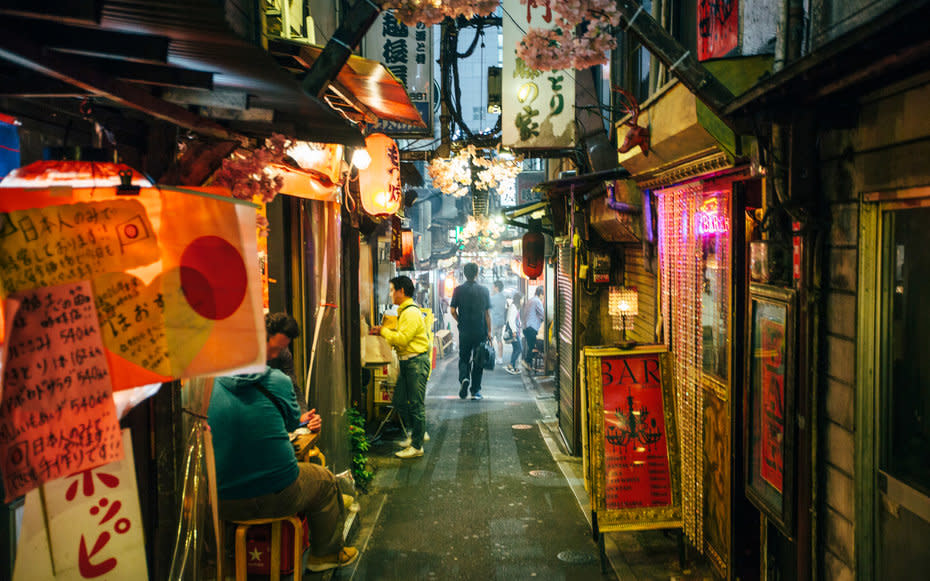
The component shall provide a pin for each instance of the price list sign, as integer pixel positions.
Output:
(57, 415)
(633, 444)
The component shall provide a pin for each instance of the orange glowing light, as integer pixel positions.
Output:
(379, 184)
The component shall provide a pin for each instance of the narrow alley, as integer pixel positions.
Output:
(486, 501)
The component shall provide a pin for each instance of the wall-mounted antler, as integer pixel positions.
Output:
(637, 135)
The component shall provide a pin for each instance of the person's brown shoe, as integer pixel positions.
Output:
(346, 556)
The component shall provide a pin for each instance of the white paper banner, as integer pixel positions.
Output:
(407, 51)
(85, 526)
(537, 108)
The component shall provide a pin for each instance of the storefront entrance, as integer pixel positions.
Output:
(899, 388)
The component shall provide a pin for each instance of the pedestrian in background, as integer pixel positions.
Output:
(471, 307)
(512, 332)
(498, 316)
(411, 341)
(534, 316)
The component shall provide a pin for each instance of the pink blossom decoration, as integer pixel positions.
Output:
(248, 174)
(429, 12)
(562, 47)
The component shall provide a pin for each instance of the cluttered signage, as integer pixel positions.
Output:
(633, 443)
(407, 51)
(85, 526)
(105, 292)
(538, 107)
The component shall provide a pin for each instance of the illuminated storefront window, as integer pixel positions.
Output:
(712, 226)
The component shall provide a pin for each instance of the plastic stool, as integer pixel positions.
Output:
(241, 556)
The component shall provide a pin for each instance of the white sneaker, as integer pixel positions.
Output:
(409, 452)
(405, 443)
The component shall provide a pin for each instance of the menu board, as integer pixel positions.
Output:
(632, 439)
(57, 415)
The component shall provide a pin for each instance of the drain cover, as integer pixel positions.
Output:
(542, 473)
(521, 426)
(576, 557)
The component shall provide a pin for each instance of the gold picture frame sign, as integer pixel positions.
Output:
(633, 449)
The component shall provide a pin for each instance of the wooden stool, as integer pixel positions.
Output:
(241, 556)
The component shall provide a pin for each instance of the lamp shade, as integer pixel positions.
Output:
(623, 302)
(379, 184)
(534, 249)
(72, 174)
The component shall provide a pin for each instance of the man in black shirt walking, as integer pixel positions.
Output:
(471, 308)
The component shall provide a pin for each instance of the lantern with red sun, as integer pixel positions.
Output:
(534, 249)
(379, 184)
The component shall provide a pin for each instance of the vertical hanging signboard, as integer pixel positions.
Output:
(632, 447)
(407, 51)
(718, 28)
(537, 107)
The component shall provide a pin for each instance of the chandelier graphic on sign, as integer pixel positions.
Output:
(636, 427)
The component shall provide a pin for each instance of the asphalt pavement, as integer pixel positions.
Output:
(486, 501)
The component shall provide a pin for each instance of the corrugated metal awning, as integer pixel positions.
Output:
(159, 58)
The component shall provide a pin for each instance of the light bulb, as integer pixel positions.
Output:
(361, 158)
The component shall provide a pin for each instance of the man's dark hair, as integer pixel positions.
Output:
(498, 285)
(403, 283)
(539, 291)
(471, 271)
(281, 323)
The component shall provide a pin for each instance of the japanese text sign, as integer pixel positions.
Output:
(408, 53)
(85, 526)
(632, 440)
(718, 28)
(57, 414)
(104, 293)
(174, 275)
(538, 107)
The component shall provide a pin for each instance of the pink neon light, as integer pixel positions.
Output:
(710, 223)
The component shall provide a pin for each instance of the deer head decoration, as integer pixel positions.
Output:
(637, 135)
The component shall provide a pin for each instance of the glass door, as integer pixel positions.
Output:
(902, 495)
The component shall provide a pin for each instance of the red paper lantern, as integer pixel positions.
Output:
(534, 250)
(379, 183)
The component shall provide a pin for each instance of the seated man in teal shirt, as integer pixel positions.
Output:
(257, 473)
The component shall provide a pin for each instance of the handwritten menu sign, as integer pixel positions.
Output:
(85, 526)
(61, 244)
(773, 407)
(635, 447)
(57, 415)
(632, 445)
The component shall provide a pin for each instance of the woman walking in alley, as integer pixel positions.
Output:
(512, 332)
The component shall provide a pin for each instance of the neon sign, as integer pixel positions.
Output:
(711, 223)
(709, 220)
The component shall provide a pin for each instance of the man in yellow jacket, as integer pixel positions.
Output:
(411, 341)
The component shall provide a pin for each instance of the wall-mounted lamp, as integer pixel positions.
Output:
(623, 305)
